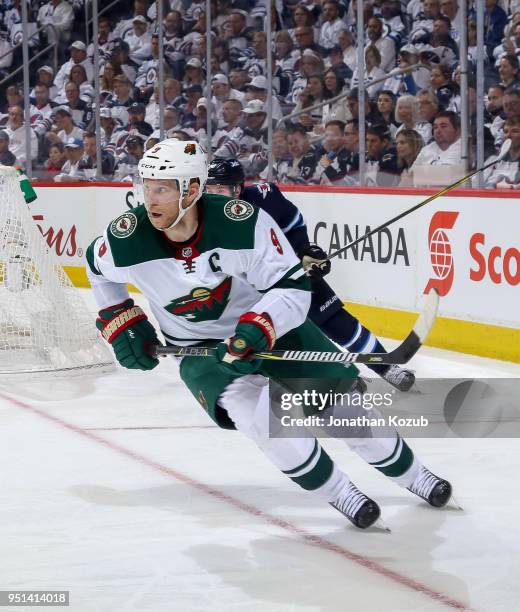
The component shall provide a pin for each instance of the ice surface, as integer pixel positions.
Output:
(120, 490)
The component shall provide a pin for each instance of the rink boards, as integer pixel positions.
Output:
(467, 246)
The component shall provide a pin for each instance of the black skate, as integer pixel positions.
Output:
(400, 378)
(360, 510)
(431, 488)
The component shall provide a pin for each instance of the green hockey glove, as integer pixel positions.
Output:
(254, 333)
(127, 329)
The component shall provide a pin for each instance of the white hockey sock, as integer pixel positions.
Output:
(303, 460)
(398, 463)
(337, 482)
(381, 447)
(406, 479)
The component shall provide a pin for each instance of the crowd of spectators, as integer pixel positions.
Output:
(412, 118)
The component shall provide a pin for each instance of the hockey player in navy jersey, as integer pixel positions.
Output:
(226, 176)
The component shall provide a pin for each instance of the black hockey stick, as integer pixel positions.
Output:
(503, 152)
(400, 355)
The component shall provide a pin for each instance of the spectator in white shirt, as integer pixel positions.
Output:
(222, 91)
(139, 40)
(41, 105)
(78, 75)
(125, 26)
(446, 146)
(172, 97)
(46, 76)
(235, 30)
(105, 38)
(505, 174)
(71, 170)
(285, 54)
(111, 130)
(302, 16)
(15, 129)
(173, 36)
(65, 127)
(78, 55)
(231, 114)
(255, 60)
(407, 114)
(373, 72)
(423, 21)
(450, 8)
(384, 44)
(120, 56)
(60, 15)
(332, 25)
(257, 90)
(194, 74)
(348, 46)
(428, 108)
(393, 19)
(6, 55)
(15, 30)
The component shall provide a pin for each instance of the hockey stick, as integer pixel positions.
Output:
(503, 152)
(400, 355)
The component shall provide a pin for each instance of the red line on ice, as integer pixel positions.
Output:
(269, 518)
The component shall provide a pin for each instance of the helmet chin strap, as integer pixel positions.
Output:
(182, 211)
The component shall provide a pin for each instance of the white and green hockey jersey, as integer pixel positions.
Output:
(239, 260)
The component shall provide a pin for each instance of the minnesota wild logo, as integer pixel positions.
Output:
(202, 304)
(124, 225)
(238, 210)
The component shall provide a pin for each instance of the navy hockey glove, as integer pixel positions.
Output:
(254, 333)
(312, 257)
(128, 330)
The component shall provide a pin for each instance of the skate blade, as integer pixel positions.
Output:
(380, 525)
(454, 504)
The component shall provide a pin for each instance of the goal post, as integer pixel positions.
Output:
(45, 325)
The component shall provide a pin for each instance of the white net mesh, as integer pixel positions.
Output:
(45, 326)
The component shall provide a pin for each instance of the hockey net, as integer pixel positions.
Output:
(45, 326)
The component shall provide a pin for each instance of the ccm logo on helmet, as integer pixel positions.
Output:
(147, 165)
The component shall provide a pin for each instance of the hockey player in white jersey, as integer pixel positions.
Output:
(219, 271)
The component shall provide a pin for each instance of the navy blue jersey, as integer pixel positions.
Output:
(326, 309)
(268, 197)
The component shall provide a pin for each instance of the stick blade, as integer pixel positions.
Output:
(421, 330)
(427, 316)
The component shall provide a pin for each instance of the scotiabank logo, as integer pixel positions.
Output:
(63, 242)
(501, 264)
(441, 254)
